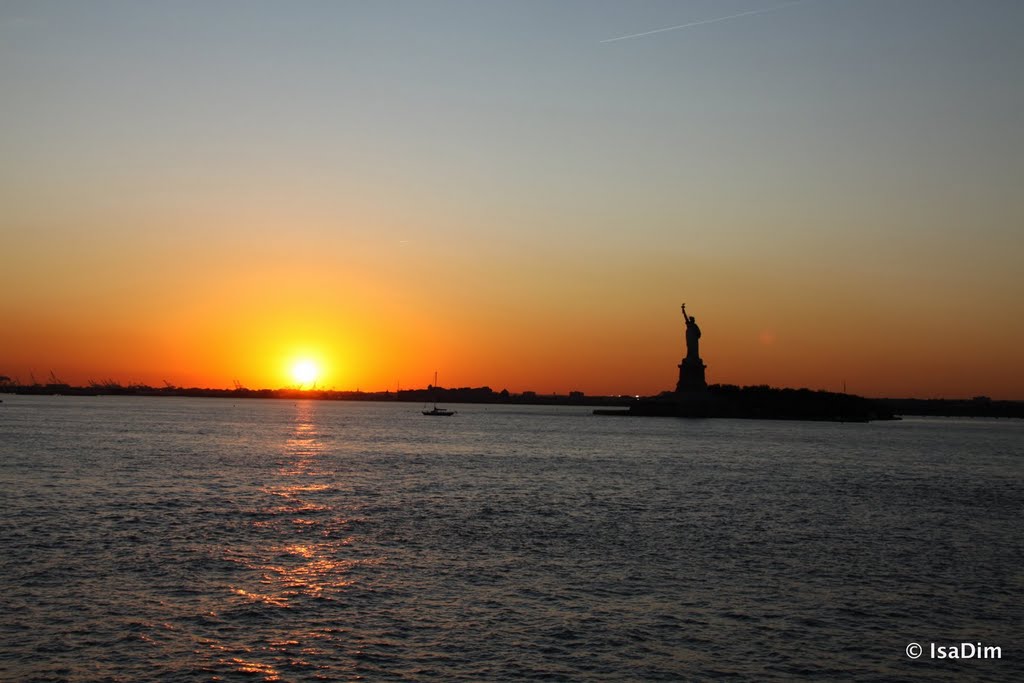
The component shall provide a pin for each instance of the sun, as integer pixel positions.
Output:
(305, 372)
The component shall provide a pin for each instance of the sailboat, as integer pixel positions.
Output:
(435, 411)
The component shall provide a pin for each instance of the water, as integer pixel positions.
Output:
(176, 539)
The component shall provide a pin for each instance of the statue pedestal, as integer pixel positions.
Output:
(691, 376)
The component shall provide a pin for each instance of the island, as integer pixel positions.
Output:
(693, 397)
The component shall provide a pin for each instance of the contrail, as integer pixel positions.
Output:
(706, 21)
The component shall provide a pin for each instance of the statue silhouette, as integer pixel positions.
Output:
(691, 370)
(692, 336)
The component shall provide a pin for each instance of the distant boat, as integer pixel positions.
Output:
(439, 412)
(435, 411)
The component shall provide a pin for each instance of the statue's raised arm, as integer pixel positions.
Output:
(684, 314)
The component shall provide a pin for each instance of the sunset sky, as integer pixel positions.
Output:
(203, 192)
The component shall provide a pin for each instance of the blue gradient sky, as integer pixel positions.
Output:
(833, 187)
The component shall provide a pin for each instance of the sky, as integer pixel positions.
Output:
(514, 194)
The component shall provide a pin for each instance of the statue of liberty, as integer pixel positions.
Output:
(691, 370)
(692, 336)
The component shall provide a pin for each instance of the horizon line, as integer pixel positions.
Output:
(113, 388)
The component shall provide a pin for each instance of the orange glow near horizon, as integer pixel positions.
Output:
(564, 348)
(378, 331)
(374, 326)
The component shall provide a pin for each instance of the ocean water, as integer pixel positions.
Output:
(180, 539)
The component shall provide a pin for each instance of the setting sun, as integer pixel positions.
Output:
(305, 372)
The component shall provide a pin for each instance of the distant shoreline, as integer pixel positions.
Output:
(937, 407)
(431, 394)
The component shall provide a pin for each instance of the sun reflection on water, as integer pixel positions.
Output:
(303, 555)
(262, 597)
(268, 672)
